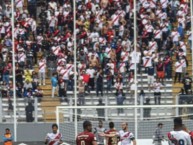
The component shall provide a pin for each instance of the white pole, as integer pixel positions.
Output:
(135, 76)
(57, 118)
(75, 74)
(191, 16)
(14, 83)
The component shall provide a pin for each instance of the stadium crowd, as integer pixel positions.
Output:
(105, 51)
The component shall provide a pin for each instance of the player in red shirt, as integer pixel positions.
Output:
(86, 137)
(111, 140)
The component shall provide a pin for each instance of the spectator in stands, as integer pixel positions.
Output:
(81, 95)
(10, 106)
(28, 75)
(187, 82)
(101, 111)
(120, 99)
(62, 89)
(91, 72)
(160, 71)
(178, 71)
(150, 77)
(99, 83)
(29, 112)
(42, 70)
(38, 93)
(157, 93)
(54, 82)
(4, 91)
(19, 74)
(19, 90)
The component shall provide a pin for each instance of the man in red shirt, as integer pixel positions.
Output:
(86, 137)
(112, 130)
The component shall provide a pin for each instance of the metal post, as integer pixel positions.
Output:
(71, 110)
(106, 110)
(36, 109)
(135, 50)
(177, 108)
(57, 118)
(75, 69)
(191, 16)
(14, 82)
(1, 111)
(141, 109)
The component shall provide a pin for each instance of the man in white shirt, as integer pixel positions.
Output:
(157, 94)
(178, 136)
(42, 70)
(178, 70)
(175, 36)
(54, 138)
(91, 72)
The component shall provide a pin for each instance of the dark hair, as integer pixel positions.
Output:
(111, 125)
(86, 124)
(54, 125)
(7, 129)
(178, 121)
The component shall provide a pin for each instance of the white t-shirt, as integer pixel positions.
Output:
(147, 61)
(125, 137)
(178, 67)
(125, 56)
(135, 57)
(179, 137)
(175, 35)
(157, 86)
(54, 139)
(90, 72)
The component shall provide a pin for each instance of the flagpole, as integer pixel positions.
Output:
(75, 68)
(13, 72)
(135, 76)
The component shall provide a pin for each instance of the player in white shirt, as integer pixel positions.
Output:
(54, 138)
(178, 136)
(126, 137)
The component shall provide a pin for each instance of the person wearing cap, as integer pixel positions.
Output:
(178, 136)
(7, 137)
(158, 135)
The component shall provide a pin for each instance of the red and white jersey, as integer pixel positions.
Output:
(108, 51)
(182, 45)
(19, 3)
(181, 13)
(122, 67)
(164, 26)
(112, 66)
(158, 12)
(59, 69)
(182, 20)
(81, 67)
(2, 30)
(56, 49)
(69, 66)
(53, 21)
(54, 139)
(162, 15)
(157, 34)
(125, 137)
(42, 65)
(21, 31)
(102, 40)
(152, 46)
(179, 137)
(65, 74)
(149, 28)
(53, 5)
(183, 62)
(147, 61)
(175, 35)
(164, 3)
(152, 4)
(124, 56)
(21, 57)
(157, 86)
(39, 40)
(178, 66)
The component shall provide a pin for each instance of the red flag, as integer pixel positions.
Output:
(86, 78)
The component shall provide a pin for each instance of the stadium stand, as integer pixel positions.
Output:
(105, 55)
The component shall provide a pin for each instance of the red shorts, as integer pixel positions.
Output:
(160, 74)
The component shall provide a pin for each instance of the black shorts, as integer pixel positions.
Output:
(157, 93)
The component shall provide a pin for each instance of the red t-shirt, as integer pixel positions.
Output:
(85, 138)
(112, 140)
(191, 135)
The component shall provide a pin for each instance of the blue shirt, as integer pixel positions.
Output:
(54, 81)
